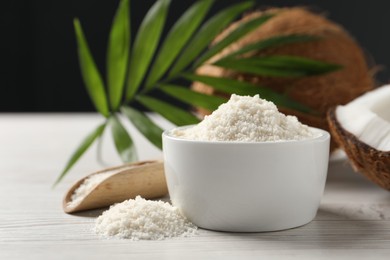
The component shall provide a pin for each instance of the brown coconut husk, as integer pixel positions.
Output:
(319, 92)
(373, 164)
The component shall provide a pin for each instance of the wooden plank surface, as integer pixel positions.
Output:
(353, 221)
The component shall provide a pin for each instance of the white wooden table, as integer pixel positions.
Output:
(353, 221)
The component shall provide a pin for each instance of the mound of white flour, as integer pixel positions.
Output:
(248, 119)
(140, 219)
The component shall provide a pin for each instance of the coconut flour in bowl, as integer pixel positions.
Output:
(247, 119)
(246, 168)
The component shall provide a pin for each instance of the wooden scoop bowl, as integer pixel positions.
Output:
(144, 178)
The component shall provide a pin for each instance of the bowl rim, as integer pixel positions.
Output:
(324, 135)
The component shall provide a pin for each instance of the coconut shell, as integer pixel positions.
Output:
(373, 164)
(319, 92)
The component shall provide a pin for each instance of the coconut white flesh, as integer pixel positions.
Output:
(368, 118)
(379, 96)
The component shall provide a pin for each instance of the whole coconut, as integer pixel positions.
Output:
(319, 92)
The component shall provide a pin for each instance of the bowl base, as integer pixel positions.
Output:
(255, 230)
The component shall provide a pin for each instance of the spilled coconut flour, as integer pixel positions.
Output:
(140, 219)
(247, 119)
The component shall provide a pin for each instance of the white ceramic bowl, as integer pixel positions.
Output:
(244, 186)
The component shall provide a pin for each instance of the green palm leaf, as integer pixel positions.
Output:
(91, 76)
(123, 142)
(146, 126)
(272, 42)
(232, 86)
(278, 66)
(207, 33)
(118, 54)
(312, 67)
(145, 45)
(82, 148)
(171, 113)
(177, 38)
(238, 33)
(193, 98)
(226, 85)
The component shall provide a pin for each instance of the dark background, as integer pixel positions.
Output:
(40, 70)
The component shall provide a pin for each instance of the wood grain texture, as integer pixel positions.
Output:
(353, 221)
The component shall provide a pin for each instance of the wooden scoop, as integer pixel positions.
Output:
(117, 184)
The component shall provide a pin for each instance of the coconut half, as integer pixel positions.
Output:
(362, 129)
